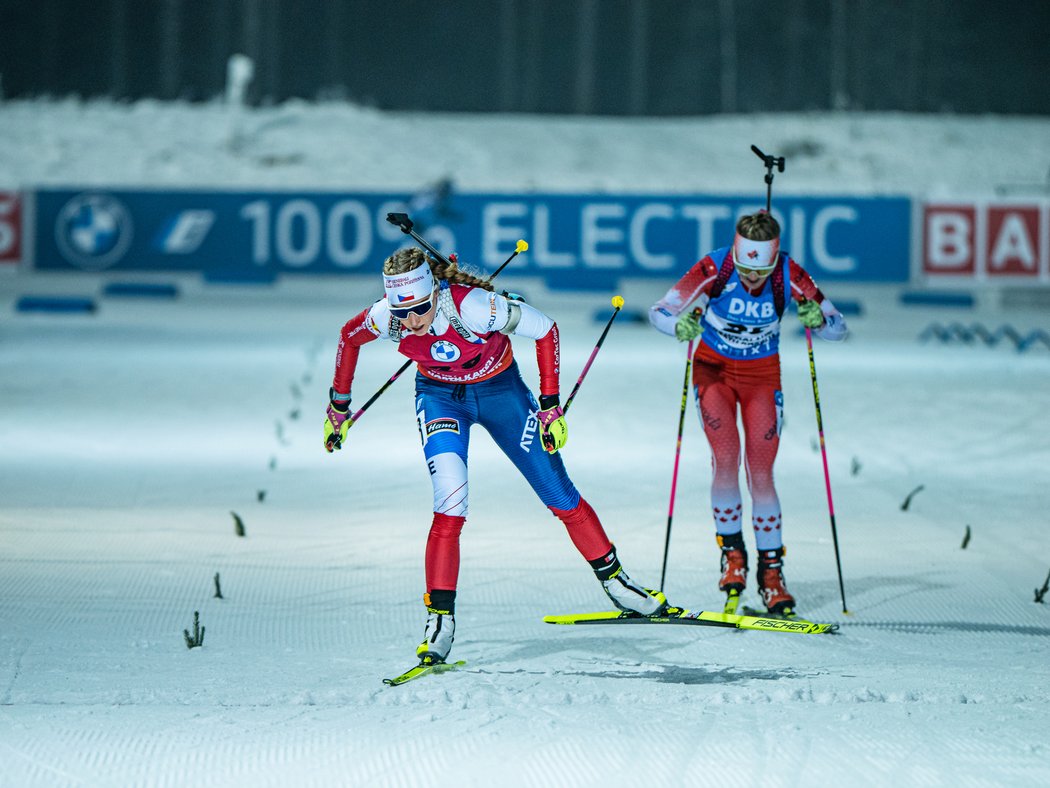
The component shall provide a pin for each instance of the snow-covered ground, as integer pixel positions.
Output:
(340, 146)
(129, 436)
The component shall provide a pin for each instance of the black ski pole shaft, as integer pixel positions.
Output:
(617, 302)
(827, 476)
(677, 455)
(374, 397)
(402, 221)
(521, 246)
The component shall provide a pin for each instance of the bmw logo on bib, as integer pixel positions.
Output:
(444, 351)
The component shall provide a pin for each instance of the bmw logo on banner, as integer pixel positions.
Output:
(444, 351)
(93, 231)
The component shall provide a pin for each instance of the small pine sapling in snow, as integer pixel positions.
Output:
(912, 494)
(1041, 592)
(218, 588)
(198, 632)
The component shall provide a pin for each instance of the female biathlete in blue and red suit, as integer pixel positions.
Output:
(742, 290)
(457, 331)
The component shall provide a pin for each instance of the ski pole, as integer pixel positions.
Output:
(617, 302)
(677, 454)
(405, 224)
(778, 163)
(824, 456)
(374, 397)
(520, 246)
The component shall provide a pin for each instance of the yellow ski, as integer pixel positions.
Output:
(423, 669)
(698, 618)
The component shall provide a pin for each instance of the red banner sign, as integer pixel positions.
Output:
(1005, 241)
(10, 227)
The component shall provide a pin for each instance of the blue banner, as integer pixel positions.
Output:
(575, 240)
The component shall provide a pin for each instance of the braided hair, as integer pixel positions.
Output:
(404, 260)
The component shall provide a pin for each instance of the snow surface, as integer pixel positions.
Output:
(129, 436)
(341, 146)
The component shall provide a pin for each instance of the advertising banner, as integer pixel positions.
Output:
(986, 241)
(10, 228)
(575, 240)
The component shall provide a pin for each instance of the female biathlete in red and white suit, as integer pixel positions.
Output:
(457, 331)
(742, 290)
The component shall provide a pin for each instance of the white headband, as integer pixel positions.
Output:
(757, 255)
(414, 285)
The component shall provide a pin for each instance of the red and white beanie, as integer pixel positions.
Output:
(756, 255)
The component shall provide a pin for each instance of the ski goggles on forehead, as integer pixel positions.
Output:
(421, 308)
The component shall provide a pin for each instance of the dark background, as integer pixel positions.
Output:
(606, 57)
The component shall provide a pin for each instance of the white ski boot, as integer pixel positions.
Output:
(437, 641)
(630, 597)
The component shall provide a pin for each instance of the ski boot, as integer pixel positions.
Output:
(734, 568)
(440, 629)
(775, 595)
(626, 594)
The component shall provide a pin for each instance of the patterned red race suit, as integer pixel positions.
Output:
(466, 375)
(737, 364)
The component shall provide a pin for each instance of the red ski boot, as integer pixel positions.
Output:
(734, 563)
(775, 595)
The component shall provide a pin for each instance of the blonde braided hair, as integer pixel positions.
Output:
(404, 260)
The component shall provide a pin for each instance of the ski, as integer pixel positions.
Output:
(423, 669)
(698, 618)
(787, 615)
